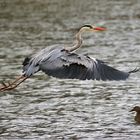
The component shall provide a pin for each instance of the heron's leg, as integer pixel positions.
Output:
(14, 84)
(16, 80)
(9, 84)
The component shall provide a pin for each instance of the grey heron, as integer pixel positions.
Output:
(61, 62)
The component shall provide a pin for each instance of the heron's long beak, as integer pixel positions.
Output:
(99, 28)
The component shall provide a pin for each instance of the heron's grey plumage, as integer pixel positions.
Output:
(64, 63)
(60, 63)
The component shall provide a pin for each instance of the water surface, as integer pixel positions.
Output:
(48, 108)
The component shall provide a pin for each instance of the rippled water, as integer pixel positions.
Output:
(48, 108)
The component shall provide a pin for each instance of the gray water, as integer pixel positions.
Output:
(55, 109)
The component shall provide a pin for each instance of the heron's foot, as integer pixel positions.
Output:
(12, 85)
(7, 86)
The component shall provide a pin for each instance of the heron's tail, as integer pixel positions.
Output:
(134, 70)
(30, 66)
(26, 63)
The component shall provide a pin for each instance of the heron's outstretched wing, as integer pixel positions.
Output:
(31, 64)
(74, 66)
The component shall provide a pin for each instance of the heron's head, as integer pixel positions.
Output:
(91, 28)
(136, 108)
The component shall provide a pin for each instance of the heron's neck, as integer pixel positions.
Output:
(78, 43)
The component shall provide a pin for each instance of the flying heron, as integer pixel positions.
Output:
(61, 62)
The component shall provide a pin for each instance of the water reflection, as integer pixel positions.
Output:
(50, 108)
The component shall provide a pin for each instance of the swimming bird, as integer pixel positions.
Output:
(65, 63)
(137, 110)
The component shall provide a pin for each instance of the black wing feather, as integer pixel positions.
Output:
(73, 66)
(109, 73)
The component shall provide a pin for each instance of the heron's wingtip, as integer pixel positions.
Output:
(135, 70)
